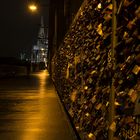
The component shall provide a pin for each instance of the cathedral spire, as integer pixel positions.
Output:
(41, 33)
(42, 21)
(39, 52)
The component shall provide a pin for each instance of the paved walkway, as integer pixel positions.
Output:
(30, 109)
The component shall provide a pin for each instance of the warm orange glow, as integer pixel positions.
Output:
(32, 7)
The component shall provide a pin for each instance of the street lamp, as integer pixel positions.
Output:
(35, 6)
(32, 7)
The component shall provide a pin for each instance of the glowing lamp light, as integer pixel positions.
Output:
(32, 7)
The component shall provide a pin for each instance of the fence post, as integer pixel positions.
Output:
(112, 123)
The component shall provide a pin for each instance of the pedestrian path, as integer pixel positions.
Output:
(30, 109)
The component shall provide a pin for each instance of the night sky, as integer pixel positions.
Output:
(19, 27)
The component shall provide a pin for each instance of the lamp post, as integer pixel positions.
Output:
(112, 123)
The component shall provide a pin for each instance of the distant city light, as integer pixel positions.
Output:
(42, 49)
